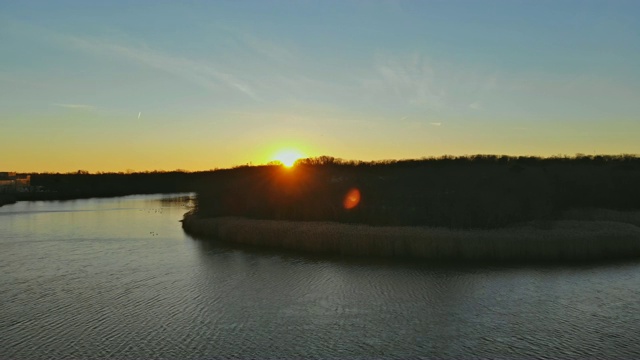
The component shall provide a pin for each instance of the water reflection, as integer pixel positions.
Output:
(385, 307)
(90, 279)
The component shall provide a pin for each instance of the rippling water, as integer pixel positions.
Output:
(117, 278)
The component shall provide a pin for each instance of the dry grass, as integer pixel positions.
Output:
(570, 239)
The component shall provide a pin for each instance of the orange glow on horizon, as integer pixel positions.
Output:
(352, 199)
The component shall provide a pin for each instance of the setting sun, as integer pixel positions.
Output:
(288, 157)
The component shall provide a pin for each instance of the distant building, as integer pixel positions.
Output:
(12, 182)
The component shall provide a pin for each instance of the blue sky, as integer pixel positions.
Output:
(196, 85)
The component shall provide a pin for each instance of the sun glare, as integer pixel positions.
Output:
(288, 157)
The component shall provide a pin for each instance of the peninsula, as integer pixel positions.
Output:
(473, 207)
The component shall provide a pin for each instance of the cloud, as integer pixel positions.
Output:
(435, 124)
(438, 86)
(206, 74)
(412, 79)
(74, 106)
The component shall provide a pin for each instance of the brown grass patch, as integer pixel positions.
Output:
(570, 239)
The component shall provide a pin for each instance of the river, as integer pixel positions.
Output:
(118, 278)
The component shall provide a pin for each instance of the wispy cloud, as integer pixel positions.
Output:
(435, 124)
(74, 106)
(418, 81)
(206, 74)
(412, 79)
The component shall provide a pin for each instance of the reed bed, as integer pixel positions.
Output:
(557, 240)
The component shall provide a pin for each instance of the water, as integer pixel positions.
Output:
(117, 278)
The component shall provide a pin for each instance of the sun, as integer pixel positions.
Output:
(288, 157)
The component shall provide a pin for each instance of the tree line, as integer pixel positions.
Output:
(480, 191)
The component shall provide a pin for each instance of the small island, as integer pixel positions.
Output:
(482, 207)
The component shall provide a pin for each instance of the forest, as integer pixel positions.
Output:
(82, 184)
(480, 191)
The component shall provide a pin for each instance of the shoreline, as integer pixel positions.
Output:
(12, 198)
(7, 199)
(570, 239)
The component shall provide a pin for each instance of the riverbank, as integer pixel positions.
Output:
(567, 239)
(6, 199)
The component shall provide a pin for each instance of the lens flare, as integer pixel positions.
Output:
(352, 199)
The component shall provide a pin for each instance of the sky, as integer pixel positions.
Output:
(198, 85)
